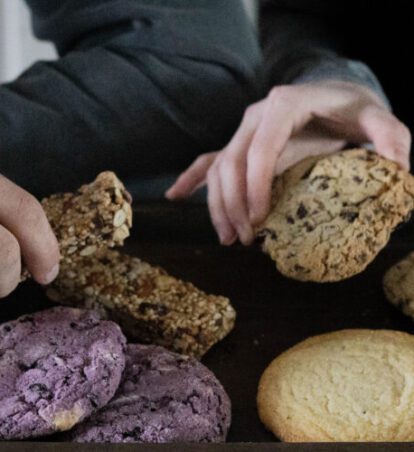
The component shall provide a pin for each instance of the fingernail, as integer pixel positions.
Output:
(245, 235)
(51, 275)
(228, 239)
(168, 194)
(255, 218)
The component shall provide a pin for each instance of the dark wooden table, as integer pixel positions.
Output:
(274, 312)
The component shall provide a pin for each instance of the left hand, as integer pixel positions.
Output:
(291, 123)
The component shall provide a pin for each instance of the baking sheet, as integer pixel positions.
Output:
(274, 312)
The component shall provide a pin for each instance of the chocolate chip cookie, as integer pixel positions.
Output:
(332, 215)
(398, 285)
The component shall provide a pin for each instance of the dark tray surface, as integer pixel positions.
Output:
(274, 312)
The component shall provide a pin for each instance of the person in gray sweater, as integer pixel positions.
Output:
(154, 87)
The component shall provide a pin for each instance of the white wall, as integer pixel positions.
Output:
(18, 47)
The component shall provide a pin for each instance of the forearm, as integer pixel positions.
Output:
(303, 44)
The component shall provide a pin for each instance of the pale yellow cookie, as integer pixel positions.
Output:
(332, 214)
(350, 385)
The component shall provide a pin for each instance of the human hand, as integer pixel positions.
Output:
(291, 123)
(25, 234)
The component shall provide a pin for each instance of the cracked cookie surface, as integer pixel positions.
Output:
(398, 283)
(332, 215)
(163, 397)
(350, 385)
(56, 368)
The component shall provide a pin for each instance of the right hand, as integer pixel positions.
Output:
(274, 135)
(25, 235)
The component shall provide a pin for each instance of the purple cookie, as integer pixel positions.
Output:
(163, 397)
(56, 368)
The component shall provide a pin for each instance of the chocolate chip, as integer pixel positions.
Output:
(367, 158)
(290, 219)
(307, 174)
(161, 309)
(201, 338)
(357, 179)
(98, 222)
(7, 328)
(157, 308)
(301, 212)
(218, 322)
(41, 389)
(349, 216)
(144, 307)
(319, 177)
(165, 401)
(324, 186)
(135, 433)
(309, 227)
(362, 258)
(112, 194)
(182, 330)
(67, 204)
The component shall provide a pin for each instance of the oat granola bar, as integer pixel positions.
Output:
(150, 305)
(97, 215)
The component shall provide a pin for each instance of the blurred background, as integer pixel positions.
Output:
(18, 47)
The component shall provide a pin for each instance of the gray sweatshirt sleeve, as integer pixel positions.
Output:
(305, 41)
(141, 87)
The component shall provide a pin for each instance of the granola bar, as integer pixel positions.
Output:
(97, 215)
(150, 305)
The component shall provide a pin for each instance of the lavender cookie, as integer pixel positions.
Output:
(56, 368)
(163, 397)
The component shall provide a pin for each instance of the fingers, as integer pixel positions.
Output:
(391, 137)
(230, 169)
(232, 174)
(10, 262)
(310, 141)
(271, 137)
(219, 218)
(24, 217)
(240, 176)
(192, 178)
